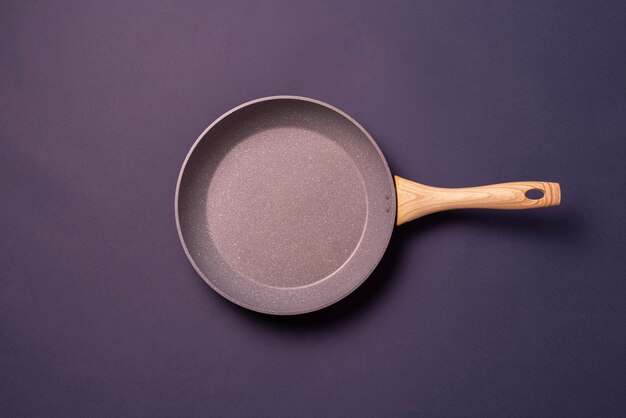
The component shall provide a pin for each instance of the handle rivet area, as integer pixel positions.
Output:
(388, 208)
(387, 196)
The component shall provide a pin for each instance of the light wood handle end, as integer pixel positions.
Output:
(416, 200)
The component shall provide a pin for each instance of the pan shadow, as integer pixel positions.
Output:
(564, 227)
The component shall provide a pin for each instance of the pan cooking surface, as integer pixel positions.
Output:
(286, 207)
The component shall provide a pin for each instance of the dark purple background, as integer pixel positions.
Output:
(473, 313)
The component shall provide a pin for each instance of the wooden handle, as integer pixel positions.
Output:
(416, 200)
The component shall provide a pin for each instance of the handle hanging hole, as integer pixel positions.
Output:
(534, 194)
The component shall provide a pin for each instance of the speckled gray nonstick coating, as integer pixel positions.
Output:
(285, 205)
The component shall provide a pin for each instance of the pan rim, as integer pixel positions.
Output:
(338, 297)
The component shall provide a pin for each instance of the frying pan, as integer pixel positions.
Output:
(285, 204)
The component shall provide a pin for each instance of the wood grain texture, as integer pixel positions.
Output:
(416, 200)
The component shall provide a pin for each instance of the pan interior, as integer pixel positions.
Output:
(286, 206)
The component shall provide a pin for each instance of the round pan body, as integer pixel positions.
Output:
(285, 205)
